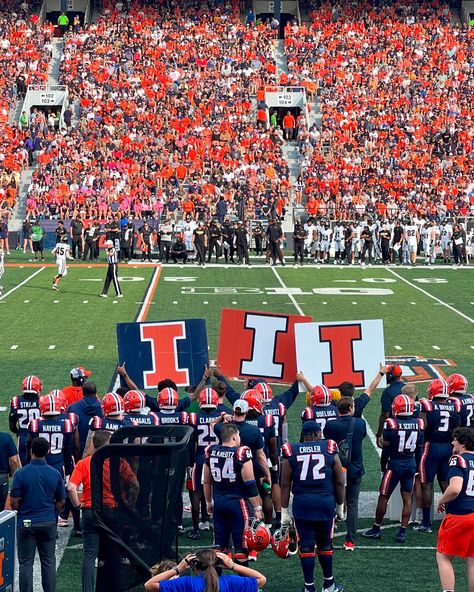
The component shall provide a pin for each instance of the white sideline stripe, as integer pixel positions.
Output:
(25, 281)
(291, 297)
(370, 433)
(412, 285)
(149, 293)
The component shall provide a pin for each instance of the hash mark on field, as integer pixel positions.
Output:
(412, 302)
(85, 302)
(114, 301)
(175, 302)
(55, 301)
(3, 408)
(25, 301)
(52, 347)
(90, 347)
(234, 302)
(383, 303)
(397, 347)
(324, 302)
(265, 302)
(472, 346)
(14, 347)
(436, 347)
(205, 302)
(353, 302)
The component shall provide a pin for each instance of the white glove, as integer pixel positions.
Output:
(285, 517)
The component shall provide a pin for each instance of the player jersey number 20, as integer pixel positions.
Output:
(55, 441)
(312, 464)
(27, 415)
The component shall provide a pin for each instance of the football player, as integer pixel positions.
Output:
(62, 253)
(326, 235)
(113, 419)
(57, 430)
(440, 416)
(402, 441)
(338, 241)
(322, 408)
(457, 390)
(168, 401)
(313, 472)
(204, 436)
(446, 234)
(134, 403)
(23, 410)
(411, 235)
(229, 487)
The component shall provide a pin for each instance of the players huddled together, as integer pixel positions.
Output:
(253, 486)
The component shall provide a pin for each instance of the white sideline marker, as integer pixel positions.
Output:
(90, 347)
(354, 302)
(55, 301)
(436, 347)
(412, 302)
(14, 347)
(25, 301)
(397, 347)
(175, 302)
(52, 347)
(383, 303)
(234, 302)
(85, 302)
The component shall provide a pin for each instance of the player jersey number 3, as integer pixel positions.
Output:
(227, 471)
(314, 462)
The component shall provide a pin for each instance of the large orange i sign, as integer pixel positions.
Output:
(331, 353)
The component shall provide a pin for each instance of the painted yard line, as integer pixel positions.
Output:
(372, 436)
(30, 277)
(412, 285)
(14, 347)
(381, 547)
(149, 295)
(3, 408)
(143, 312)
(291, 297)
(361, 530)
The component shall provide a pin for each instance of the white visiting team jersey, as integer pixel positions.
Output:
(411, 233)
(61, 251)
(446, 233)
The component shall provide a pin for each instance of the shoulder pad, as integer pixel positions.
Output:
(33, 426)
(282, 409)
(268, 421)
(332, 447)
(426, 405)
(458, 461)
(155, 418)
(207, 450)
(286, 450)
(244, 454)
(193, 418)
(307, 413)
(457, 405)
(421, 425)
(96, 421)
(184, 417)
(390, 424)
(14, 403)
(68, 427)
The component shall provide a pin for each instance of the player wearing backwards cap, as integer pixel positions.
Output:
(229, 486)
(73, 392)
(62, 253)
(402, 442)
(322, 409)
(440, 416)
(313, 472)
(112, 270)
(24, 409)
(457, 389)
(204, 436)
(456, 533)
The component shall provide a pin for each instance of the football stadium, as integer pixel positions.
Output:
(237, 296)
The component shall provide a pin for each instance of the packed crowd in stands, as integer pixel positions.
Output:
(396, 97)
(166, 121)
(25, 53)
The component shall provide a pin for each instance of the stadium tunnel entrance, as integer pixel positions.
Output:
(282, 111)
(285, 17)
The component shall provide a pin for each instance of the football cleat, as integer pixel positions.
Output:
(437, 388)
(194, 535)
(334, 587)
(422, 528)
(254, 399)
(320, 396)
(348, 546)
(32, 385)
(112, 404)
(372, 533)
(257, 535)
(204, 525)
(402, 405)
(400, 537)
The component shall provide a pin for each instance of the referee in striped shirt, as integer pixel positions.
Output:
(112, 270)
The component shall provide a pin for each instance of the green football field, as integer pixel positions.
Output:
(428, 316)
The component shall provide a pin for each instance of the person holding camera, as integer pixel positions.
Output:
(207, 565)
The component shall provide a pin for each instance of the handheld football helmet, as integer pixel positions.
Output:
(320, 396)
(402, 405)
(257, 535)
(265, 391)
(168, 398)
(32, 384)
(64, 238)
(208, 398)
(285, 542)
(393, 372)
(134, 401)
(457, 383)
(438, 388)
(50, 405)
(254, 399)
(112, 404)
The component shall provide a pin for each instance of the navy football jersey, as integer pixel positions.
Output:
(441, 419)
(226, 463)
(404, 435)
(320, 414)
(266, 425)
(110, 424)
(23, 410)
(312, 478)
(147, 419)
(278, 410)
(203, 432)
(466, 411)
(58, 432)
(462, 465)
